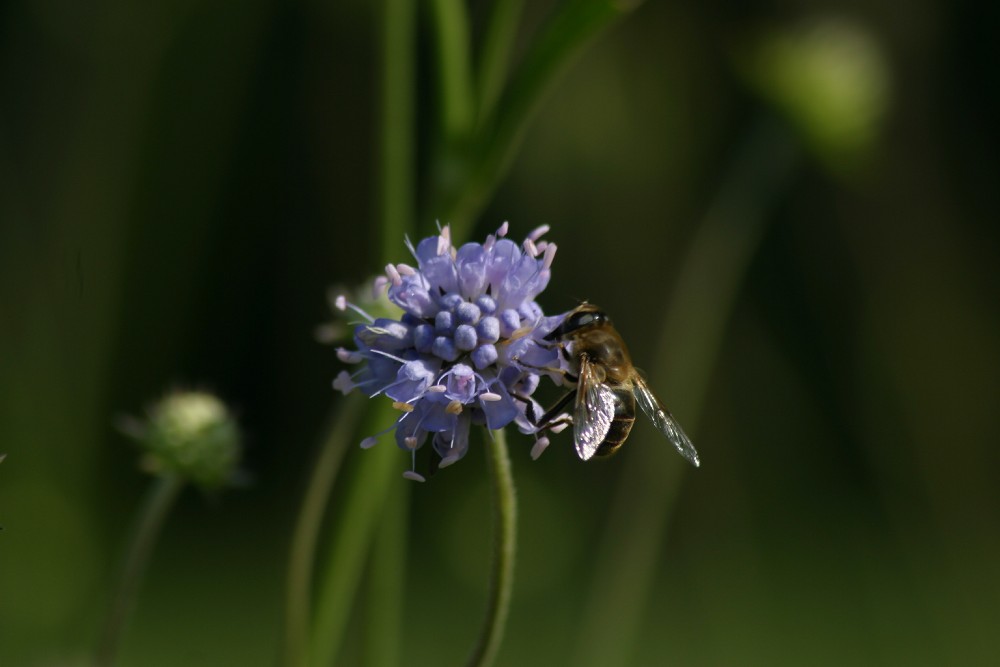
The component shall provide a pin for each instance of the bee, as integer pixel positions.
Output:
(606, 387)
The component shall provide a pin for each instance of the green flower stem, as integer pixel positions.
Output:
(564, 37)
(387, 577)
(160, 498)
(451, 26)
(706, 289)
(354, 530)
(504, 548)
(310, 519)
(494, 61)
(396, 168)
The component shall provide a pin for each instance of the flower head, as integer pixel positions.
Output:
(468, 347)
(190, 434)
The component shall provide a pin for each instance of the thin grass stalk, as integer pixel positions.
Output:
(340, 572)
(456, 105)
(302, 561)
(495, 57)
(560, 41)
(396, 179)
(383, 625)
(701, 304)
(160, 498)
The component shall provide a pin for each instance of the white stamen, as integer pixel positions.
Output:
(405, 270)
(379, 285)
(538, 232)
(542, 245)
(539, 447)
(343, 382)
(444, 240)
(409, 246)
(387, 355)
(340, 302)
(448, 460)
(368, 442)
(454, 408)
(437, 388)
(502, 231)
(414, 476)
(405, 407)
(559, 428)
(349, 356)
(529, 247)
(490, 396)
(393, 274)
(550, 254)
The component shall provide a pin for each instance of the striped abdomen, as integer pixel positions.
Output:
(621, 425)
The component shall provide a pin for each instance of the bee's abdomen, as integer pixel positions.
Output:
(621, 425)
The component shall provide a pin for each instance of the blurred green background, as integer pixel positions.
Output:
(181, 181)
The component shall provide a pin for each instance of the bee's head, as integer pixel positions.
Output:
(585, 316)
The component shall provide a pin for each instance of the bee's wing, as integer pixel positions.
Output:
(663, 420)
(593, 413)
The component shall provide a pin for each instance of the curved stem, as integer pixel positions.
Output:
(706, 289)
(396, 163)
(339, 572)
(148, 522)
(298, 600)
(457, 104)
(574, 25)
(504, 548)
(494, 63)
(383, 605)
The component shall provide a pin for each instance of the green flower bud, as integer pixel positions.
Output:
(830, 78)
(192, 435)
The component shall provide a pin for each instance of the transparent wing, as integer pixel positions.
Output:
(594, 411)
(664, 421)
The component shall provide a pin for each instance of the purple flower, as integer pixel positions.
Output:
(468, 347)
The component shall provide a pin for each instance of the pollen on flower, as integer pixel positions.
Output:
(560, 427)
(468, 347)
(538, 232)
(448, 460)
(349, 356)
(540, 445)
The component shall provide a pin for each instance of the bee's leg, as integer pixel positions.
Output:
(549, 420)
(549, 369)
(565, 352)
(529, 407)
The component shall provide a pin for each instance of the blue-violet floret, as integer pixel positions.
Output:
(468, 347)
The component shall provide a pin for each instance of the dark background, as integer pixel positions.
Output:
(181, 181)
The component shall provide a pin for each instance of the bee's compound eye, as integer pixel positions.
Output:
(587, 318)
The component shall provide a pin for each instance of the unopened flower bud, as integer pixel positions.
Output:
(192, 435)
